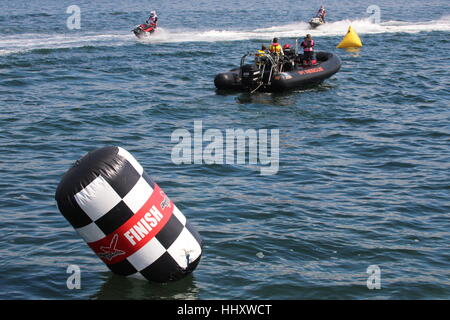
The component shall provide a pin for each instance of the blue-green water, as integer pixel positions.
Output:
(364, 157)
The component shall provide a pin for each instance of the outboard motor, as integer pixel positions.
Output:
(251, 76)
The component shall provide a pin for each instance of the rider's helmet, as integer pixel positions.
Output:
(287, 46)
(152, 13)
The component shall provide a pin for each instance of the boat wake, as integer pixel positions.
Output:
(292, 30)
(28, 42)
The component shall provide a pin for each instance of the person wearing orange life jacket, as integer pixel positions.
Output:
(275, 48)
(308, 49)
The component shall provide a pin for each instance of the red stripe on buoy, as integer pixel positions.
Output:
(136, 231)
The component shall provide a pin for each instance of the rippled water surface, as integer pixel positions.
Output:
(364, 157)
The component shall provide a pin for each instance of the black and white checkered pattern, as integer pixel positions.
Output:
(115, 189)
(177, 247)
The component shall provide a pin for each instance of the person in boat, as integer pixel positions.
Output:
(262, 52)
(260, 56)
(152, 21)
(288, 51)
(275, 48)
(288, 58)
(321, 13)
(308, 49)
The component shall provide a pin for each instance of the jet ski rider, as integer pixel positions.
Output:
(321, 13)
(152, 21)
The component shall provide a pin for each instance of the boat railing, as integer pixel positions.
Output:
(264, 61)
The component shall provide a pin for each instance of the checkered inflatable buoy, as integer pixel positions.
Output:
(126, 218)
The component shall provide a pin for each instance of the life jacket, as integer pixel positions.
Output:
(308, 45)
(275, 48)
(152, 20)
(260, 53)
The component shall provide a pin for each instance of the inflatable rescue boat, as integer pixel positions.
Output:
(271, 73)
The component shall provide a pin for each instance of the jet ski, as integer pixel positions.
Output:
(144, 30)
(315, 22)
(270, 73)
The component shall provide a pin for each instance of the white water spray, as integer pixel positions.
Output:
(28, 42)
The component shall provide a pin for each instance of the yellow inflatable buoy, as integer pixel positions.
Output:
(351, 40)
